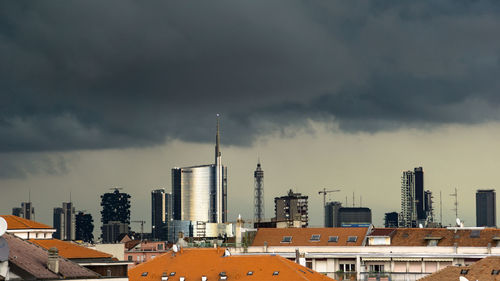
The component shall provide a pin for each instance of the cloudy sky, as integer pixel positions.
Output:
(335, 94)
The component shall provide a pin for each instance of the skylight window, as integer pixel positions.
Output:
(250, 273)
(144, 274)
(276, 273)
(352, 239)
(222, 276)
(464, 271)
(286, 239)
(475, 233)
(172, 273)
(495, 272)
(315, 237)
(333, 239)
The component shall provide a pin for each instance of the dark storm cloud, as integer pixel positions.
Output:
(93, 74)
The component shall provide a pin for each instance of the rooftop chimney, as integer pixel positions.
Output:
(53, 261)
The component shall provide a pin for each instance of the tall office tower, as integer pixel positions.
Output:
(292, 209)
(161, 213)
(258, 193)
(391, 219)
(412, 198)
(332, 214)
(58, 223)
(115, 209)
(486, 208)
(27, 211)
(64, 222)
(199, 193)
(17, 211)
(428, 206)
(84, 227)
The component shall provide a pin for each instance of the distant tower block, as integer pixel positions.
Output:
(259, 193)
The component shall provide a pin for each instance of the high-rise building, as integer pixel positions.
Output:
(84, 227)
(199, 193)
(161, 213)
(391, 219)
(486, 208)
(26, 211)
(413, 210)
(332, 214)
(258, 193)
(115, 209)
(292, 209)
(355, 217)
(64, 222)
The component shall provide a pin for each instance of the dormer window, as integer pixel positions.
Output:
(352, 239)
(315, 238)
(433, 240)
(333, 239)
(286, 239)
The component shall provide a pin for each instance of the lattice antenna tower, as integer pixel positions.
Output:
(258, 193)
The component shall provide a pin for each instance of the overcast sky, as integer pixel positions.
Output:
(335, 94)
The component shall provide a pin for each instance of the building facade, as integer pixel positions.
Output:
(64, 222)
(486, 208)
(332, 214)
(161, 213)
(84, 227)
(391, 219)
(115, 209)
(355, 216)
(291, 209)
(416, 204)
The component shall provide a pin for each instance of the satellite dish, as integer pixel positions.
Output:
(3, 226)
(175, 248)
(420, 225)
(459, 222)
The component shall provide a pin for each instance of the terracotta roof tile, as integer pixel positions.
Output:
(15, 222)
(382, 232)
(417, 237)
(302, 236)
(480, 270)
(33, 260)
(70, 250)
(192, 264)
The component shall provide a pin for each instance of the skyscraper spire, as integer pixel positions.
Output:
(217, 140)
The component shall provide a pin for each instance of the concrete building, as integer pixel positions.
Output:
(84, 227)
(486, 208)
(64, 222)
(355, 217)
(27, 211)
(391, 220)
(292, 208)
(332, 214)
(161, 213)
(112, 230)
(416, 204)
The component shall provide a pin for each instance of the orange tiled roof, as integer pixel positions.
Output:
(302, 236)
(480, 270)
(70, 250)
(192, 264)
(15, 222)
(416, 237)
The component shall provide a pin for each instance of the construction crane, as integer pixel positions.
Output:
(142, 227)
(324, 192)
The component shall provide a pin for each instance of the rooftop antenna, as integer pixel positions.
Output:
(455, 194)
(440, 209)
(29, 194)
(353, 199)
(361, 201)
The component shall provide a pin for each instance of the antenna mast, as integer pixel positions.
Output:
(455, 194)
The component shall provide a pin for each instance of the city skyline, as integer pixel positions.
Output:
(336, 95)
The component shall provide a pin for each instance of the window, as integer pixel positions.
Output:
(130, 258)
(376, 268)
(333, 239)
(250, 273)
(286, 239)
(347, 267)
(172, 273)
(475, 233)
(309, 264)
(464, 271)
(160, 246)
(352, 239)
(433, 242)
(276, 273)
(495, 272)
(144, 274)
(315, 237)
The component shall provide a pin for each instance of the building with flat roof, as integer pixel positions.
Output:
(161, 213)
(486, 209)
(292, 208)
